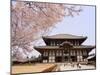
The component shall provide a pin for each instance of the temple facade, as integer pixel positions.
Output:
(64, 48)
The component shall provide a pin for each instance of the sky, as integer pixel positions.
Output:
(82, 25)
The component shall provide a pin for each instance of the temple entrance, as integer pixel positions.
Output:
(66, 58)
(58, 59)
(45, 59)
(73, 58)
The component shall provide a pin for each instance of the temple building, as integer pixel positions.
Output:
(64, 48)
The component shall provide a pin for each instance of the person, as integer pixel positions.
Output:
(64, 64)
(79, 65)
(72, 64)
(58, 69)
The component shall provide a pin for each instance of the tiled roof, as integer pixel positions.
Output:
(84, 46)
(64, 36)
(46, 47)
(57, 47)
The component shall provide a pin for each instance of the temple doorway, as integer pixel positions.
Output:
(58, 59)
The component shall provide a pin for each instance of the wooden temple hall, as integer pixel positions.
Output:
(64, 48)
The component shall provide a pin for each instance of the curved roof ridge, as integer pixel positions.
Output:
(66, 42)
(61, 36)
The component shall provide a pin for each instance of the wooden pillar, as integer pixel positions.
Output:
(48, 57)
(63, 58)
(55, 55)
(42, 57)
(81, 55)
(77, 55)
(69, 57)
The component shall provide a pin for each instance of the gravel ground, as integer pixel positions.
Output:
(63, 66)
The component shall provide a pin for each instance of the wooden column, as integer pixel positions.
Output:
(63, 58)
(42, 56)
(77, 56)
(48, 56)
(81, 55)
(69, 58)
(55, 55)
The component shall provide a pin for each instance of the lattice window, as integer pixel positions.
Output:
(51, 59)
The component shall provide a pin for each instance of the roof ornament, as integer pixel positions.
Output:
(66, 44)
